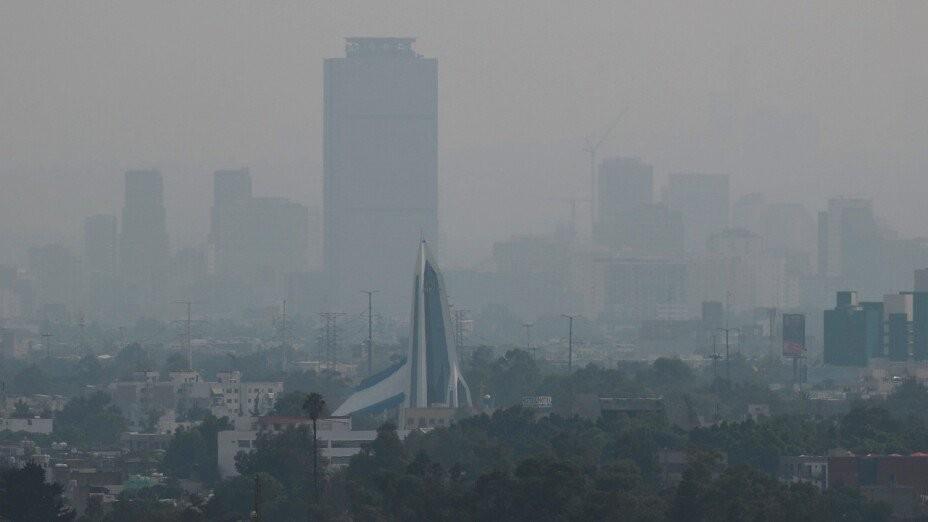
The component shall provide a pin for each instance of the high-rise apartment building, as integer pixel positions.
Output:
(381, 167)
(144, 255)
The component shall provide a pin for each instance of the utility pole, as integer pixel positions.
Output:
(284, 337)
(528, 339)
(256, 512)
(46, 340)
(715, 372)
(715, 359)
(570, 342)
(80, 326)
(188, 304)
(772, 324)
(370, 330)
(727, 331)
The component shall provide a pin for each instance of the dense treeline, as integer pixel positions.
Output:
(515, 465)
(511, 466)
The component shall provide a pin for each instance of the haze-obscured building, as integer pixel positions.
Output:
(628, 221)
(101, 265)
(703, 202)
(232, 192)
(739, 270)
(380, 166)
(642, 289)
(144, 254)
(55, 271)
(257, 242)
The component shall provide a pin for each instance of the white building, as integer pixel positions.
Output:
(338, 442)
(242, 400)
(34, 425)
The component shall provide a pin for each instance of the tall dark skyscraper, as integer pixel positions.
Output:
(381, 167)
(143, 243)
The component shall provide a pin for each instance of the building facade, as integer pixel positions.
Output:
(144, 254)
(380, 167)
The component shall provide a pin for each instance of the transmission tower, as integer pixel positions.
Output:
(284, 336)
(528, 339)
(80, 345)
(46, 340)
(370, 330)
(460, 319)
(187, 349)
(330, 337)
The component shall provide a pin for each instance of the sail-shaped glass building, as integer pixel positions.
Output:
(429, 376)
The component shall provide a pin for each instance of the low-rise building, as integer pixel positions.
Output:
(810, 469)
(31, 425)
(338, 442)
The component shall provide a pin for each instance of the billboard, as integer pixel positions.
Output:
(794, 335)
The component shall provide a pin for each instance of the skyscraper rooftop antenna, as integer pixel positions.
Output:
(592, 148)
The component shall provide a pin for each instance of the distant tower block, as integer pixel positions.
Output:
(921, 280)
(380, 148)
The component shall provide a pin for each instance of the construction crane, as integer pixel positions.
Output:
(592, 148)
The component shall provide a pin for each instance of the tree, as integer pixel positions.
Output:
(290, 404)
(314, 406)
(26, 497)
(194, 452)
(21, 410)
(90, 421)
(30, 381)
(176, 362)
(95, 511)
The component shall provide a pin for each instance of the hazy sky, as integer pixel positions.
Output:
(798, 99)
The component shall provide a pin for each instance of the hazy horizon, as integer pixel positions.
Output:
(801, 102)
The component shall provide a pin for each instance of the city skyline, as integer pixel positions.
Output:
(792, 130)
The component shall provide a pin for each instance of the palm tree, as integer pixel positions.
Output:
(314, 406)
